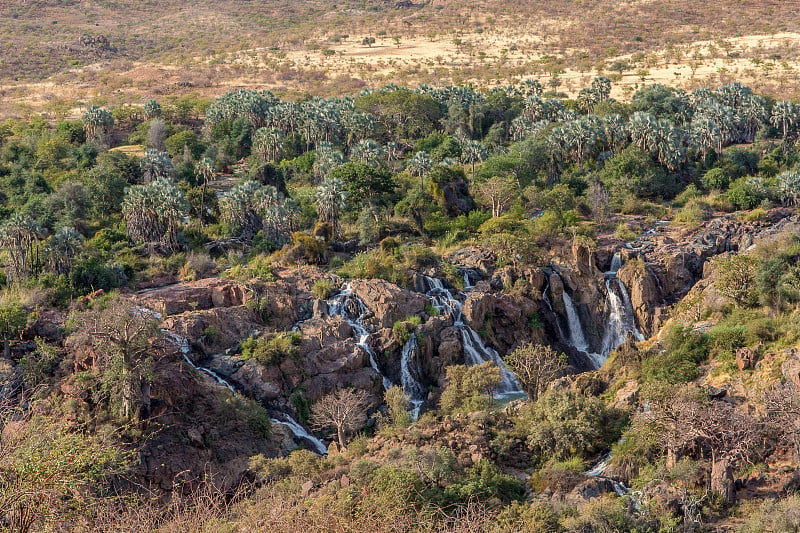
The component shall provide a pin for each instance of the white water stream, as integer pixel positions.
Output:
(475, 350)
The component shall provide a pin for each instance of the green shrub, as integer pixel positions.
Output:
(623, 232)
(565, 424)
(272, 348)
(469, 388)
(322, 289)
(694, 213)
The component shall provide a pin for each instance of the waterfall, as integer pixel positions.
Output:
(621, 319)
(183, 345)
(348, 305)
(576, 337)
(413, 389)
(475, 350)
(599, 470)
(301, 433)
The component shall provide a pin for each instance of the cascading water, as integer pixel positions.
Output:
(296, 429)
(621, 320)
(599, 471)
(301, 433)
(576, 337)
(349, 306)
(413, 389)
(475, 350)
(183, 345)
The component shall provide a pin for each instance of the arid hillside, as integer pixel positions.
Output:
(59, 56)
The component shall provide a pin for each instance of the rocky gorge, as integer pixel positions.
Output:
(583, 302)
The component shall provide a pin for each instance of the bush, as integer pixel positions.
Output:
(743, 194)
(469, 388)
(684, 350)
(694, 213)
(322, 289)
(565, 424)
(272, 348)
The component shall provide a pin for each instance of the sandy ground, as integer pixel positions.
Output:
(768, 63)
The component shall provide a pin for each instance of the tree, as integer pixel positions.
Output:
(470, 388)
(19, 237)
(268, 143)
(97, 122)
(344, 411)
(368, 152)
(154, 213)
(206, 173)
(784, 115)
(536, 366)
(250, 206)
(13, 320)
(124, 342)
(473, 152)
(364, 184)
(156, 164)
(152, 109)
(736, 278)
(368, 41)
(62, 248)
(686, 419)
(789, 187)
(420, 164)
(331, 198)
(498, 192)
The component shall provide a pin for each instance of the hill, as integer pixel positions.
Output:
(59, 56)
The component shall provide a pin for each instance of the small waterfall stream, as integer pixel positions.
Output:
(297, 430)
(475, 350)
(413, 389)
(301, 433)
(599, 470)
(576, 337)
(621, 319)
(183, 345)
(349, 306)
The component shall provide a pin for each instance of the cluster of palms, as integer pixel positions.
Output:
(699, 121)
(154, 213)
(675, 127)
(251, 206)
(21, 237)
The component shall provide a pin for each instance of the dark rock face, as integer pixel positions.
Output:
(456, 198)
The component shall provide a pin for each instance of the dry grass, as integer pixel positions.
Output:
(162, 48)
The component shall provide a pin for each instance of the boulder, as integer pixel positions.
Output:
(627, 396)
(388, 302)
(193, 296)
(746, 358)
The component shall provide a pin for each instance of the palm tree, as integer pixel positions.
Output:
(268, 143)
(206, 171)
(473, 152)
(326, 159)
(19, 237)
(784, 114)
(640, 127)
(601, 87)
(154, 212)
(369, 152)
(152, 109)
(330, 198)
(615, 132)
(97, 122)
(789, 187)
(156, 164)
(62, 248)
(420, 164)
(704, 134)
